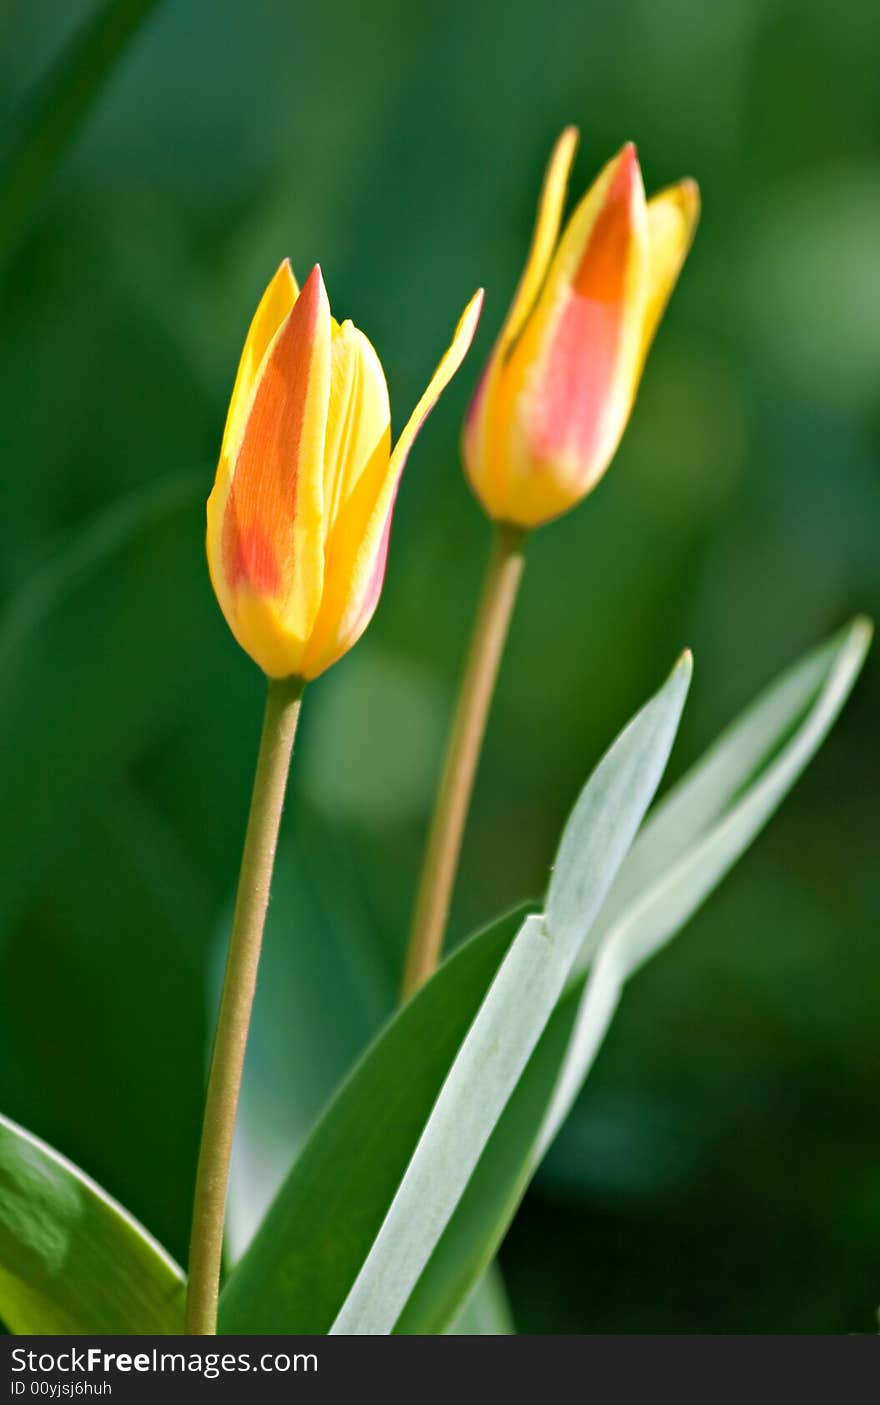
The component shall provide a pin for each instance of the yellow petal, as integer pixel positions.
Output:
(358, 543)
(672, 222)
(544, 237)
(358, 418)
(475, 451)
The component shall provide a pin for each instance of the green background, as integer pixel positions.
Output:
(722, 1170)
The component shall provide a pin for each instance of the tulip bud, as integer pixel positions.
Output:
(555, 397)
(300, 513)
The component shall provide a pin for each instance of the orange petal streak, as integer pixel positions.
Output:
(582, 361)
(258, 526)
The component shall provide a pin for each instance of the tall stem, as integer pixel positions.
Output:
(457, 780)
(239, 982)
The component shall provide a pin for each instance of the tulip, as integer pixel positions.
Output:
(555, 397)
(300, 513)
(298, 525)
(543, 425)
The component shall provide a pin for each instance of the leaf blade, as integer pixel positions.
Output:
(514, 1013)
(73, 1260)
(801, 716)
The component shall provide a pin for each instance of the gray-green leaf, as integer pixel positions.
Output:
(369, 1197)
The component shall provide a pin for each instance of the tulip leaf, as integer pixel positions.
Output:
(73, 1261)
(511, 1019)
(361, 1211)
(683, 851)
(705, 822)
(307, 1251)
(487, 1312)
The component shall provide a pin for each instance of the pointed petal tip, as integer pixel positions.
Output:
(568, 139)
(467, 324)
(627, 173)
(315, 277)
(689, 193)
(314, 292)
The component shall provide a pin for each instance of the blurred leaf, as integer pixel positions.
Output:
(346, 1218)
(73, 1261)
(683, 852)
(39, 134)
(98, 646)
(378, 733)
(322, 994)
(101, 905)
(808, 262)
(109, 943)
(487, 1313)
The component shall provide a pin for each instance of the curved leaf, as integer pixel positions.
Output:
(684, 850)
(352, 1230)
(309, 1247)
(72, 1260)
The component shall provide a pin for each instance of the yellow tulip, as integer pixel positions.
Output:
(300, 512)
(555, 397)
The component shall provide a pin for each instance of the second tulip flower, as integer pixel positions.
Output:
(555, 397)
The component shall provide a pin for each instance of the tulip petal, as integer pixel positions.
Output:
(563, 397)
(544, 239)
(357, 546)
(672, 222)
(265, 545)
(358, 418)
(273, 307)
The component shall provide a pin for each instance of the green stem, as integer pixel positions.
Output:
(457, 780)
(224, 1082)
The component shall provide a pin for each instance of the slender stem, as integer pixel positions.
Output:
(457, 780)
(230, 1040)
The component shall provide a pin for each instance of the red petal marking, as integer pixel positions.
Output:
(249, 557)
(602, 269)
(262, 500)
(580, 365)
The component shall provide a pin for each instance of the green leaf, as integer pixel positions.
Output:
(511, 1019)
(770, 743)
(363, 1206)
(310, 1245)
(683, 851)
(487, 1312)
(72, 1260)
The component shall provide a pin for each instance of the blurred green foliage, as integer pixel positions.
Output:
(722, 1171)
